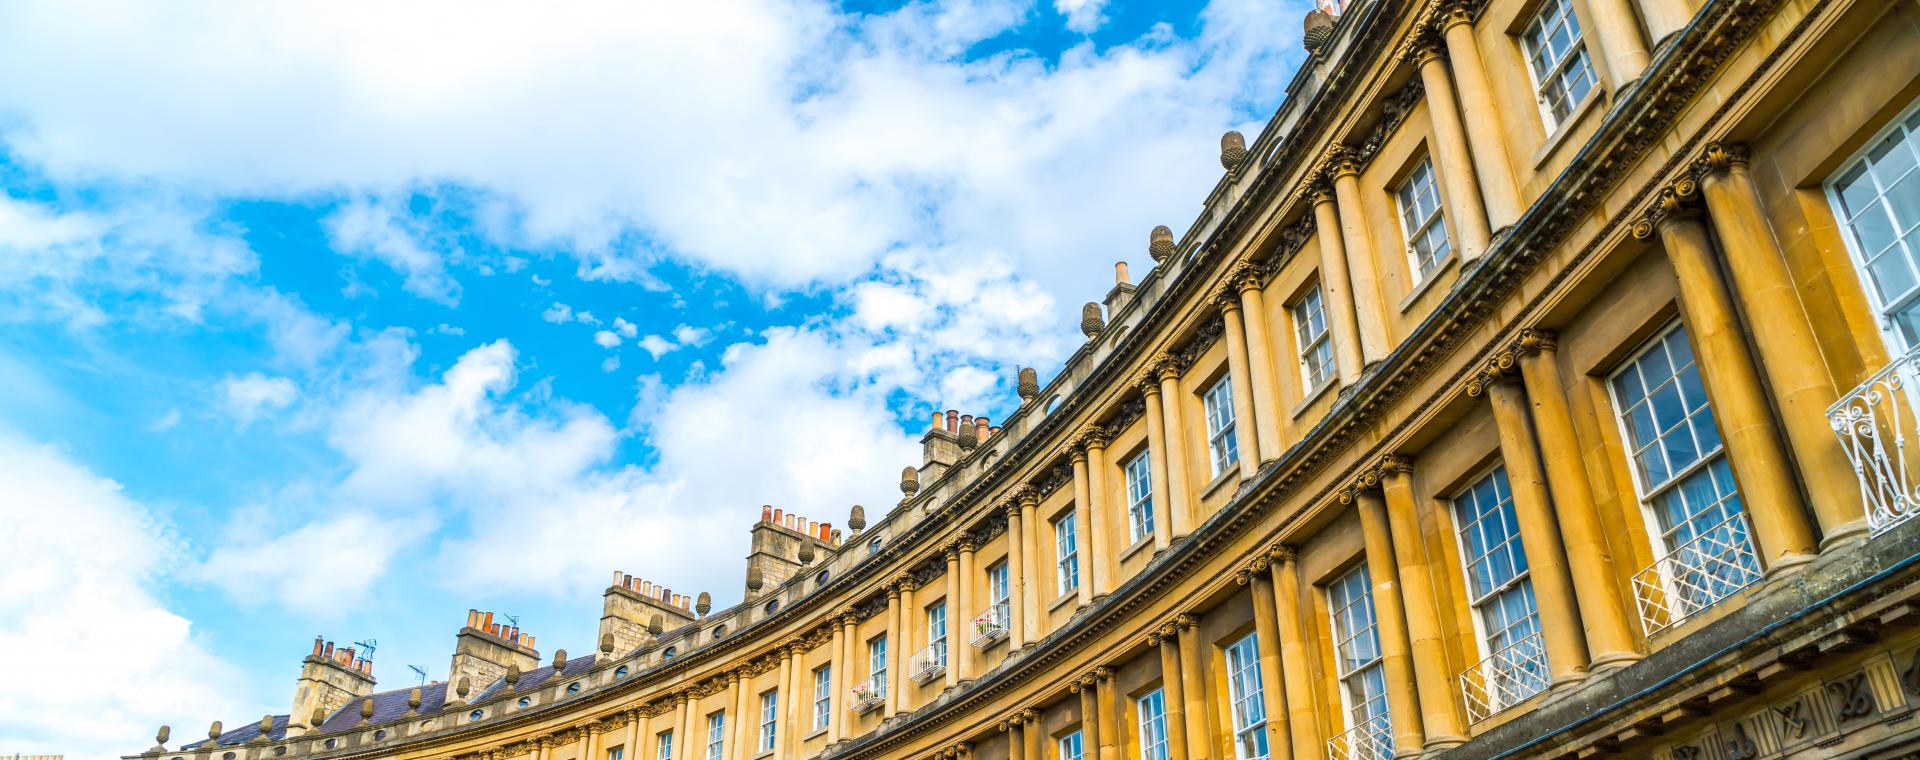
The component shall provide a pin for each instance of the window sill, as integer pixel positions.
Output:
(1143, 543)
(1567, 125)
(1229, 475)
(1313, 396)
(817, 733)
(1421, 289)
(1071, 595)
(763, 753)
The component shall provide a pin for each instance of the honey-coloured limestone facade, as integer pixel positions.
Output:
(1538, 384)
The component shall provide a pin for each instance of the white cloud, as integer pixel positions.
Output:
(312, 568)
(1083, 16)
(447, 329)
(249, 396)
(657, 345)
(558, 314)
(612, 363)
(692, 337)
(625, 328)
(606, 338)
(107, 659)
(374, 231)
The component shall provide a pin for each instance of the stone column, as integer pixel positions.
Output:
(1266, 628)
(1030, 601)
(683, 728)
(783, 707)
(837, 681)
(1244, 434)
(1609, 634)
(1108, 697)
(1170, 684)
(954, 615)
(1789, 354)
(1390, 620)
(630, 739)
(1179, 512)
(963, 636)
(1343, 164)
(1438, 713)
(1082, 532)
(903, 659)
(1336, 285)
(894, 645)
(591, 748)
(1260, 373)
(1016, 737)
(542, 748)
(1156, 461)
(1489, 143)
(1193, 688)
(743, 693)
(1664, 17)
(843, 704)
(1618, 33)
(1759, 458)
(1100, 556)
(1016, 580)
(1451, 158)
(1034, 731)
(1560, 630)
(1089, 716)
(1301, 719)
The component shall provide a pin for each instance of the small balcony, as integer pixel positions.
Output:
(1872, 422)
(870, 694)
(1372, 740)
(1506, 678)
(1697, 574)
(991, 626)
(929, 663)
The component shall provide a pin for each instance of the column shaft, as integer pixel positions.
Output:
(843, 709)
(1451, 158)
(1100, 553)
(630, 739)
(1759, 458)
(1157, 463)
(909, 622)
(895, 642)
(964, 615)
(1237, 371)
(741, 728)
(1273, 694)
(1109, 697)
(683, 728)
(1302, 720)
(954, 616)
(1560, 630)
(1016, 572)
(1788, 351)
(1082, 532)
(1016, 741)
(1030, 601)
(1260, 374)
(1179, 512)
(1609, 635)
(1336, 289)
(1170, 685)
(1033, 734)
(837, 683)
(1495, 174)
(1619, 37)
(1193, 687)
(1089, 719)
(1664, 17)
(783, 707)
(1390, 619)
(1362, 265)
(590, 746)
(1438, 714)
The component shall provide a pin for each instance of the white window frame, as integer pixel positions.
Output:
(1138, 475)
(1248, 698)
(1066, 549)
(1152, 709)
(769, 718)
(877, 659)
(1072, 747)
(1576, 50)
(1907, 122)
(663, 744)
(1407, 196)
(1524, 576)
(999, 584)
(1648, 493)
(717, 735)
(1315, 346)
(1352, 679)
(822, 696)
(937, 630)
(1223, 449)
(615, 753)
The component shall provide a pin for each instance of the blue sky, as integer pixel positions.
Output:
(323, 319)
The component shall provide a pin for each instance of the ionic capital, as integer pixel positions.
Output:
(1498, 368)
(1534, 340)
(1675, 202)
(1284, 554)
(1717, 157)
(1184, 621)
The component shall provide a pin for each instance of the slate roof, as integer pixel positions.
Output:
(388, 706)
(533, 679)
(245, 733)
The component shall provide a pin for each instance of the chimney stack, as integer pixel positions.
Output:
(484, 650)
(329, 678)
(626, 609)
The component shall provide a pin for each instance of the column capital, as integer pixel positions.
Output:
(1185, 620)
(1166, 367)
(1535, 340)
(1225, 297)
(1679, 200)
(1339, 160)
(1316, 190)
(951, 551)
(1260, 563)
(1284, 554)
(967, 543)
(1030, 715)
(1103, 673)
(1445, 14)
(1027, 495)
(1091, 437)
(1718, 157)
(904, 582)
(1148, 382)
(1421, 48)
(1498, 368)
(1010, 508)
(1246, 276)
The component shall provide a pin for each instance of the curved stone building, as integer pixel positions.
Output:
(1537, 385)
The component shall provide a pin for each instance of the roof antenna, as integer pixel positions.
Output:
(512, 620)
(368, 646)
(419, 671)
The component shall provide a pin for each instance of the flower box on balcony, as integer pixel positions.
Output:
(929, 664)
(868, 695)
(990, 626)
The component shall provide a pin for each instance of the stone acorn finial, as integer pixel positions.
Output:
(1319, 30)
(606, 643)
(320, 716)
(704, 605)
(413, 698)
(459, 689)
(266, 722)
(806, 552)
(1091, 322)
(1028, 385)
(1233, 150)
(513, 674)
(1160, 243)
(755, 579)
(657, 624)
(213, 731)
(857, 519)
(366, 709)
(559, 660)
(160, 739)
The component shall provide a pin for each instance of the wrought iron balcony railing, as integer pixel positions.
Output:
(1873, 422)
(1697, 574)
(870, 693)
(1505, 678)
(929, 663)
(991, 626)
(1372, 740)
